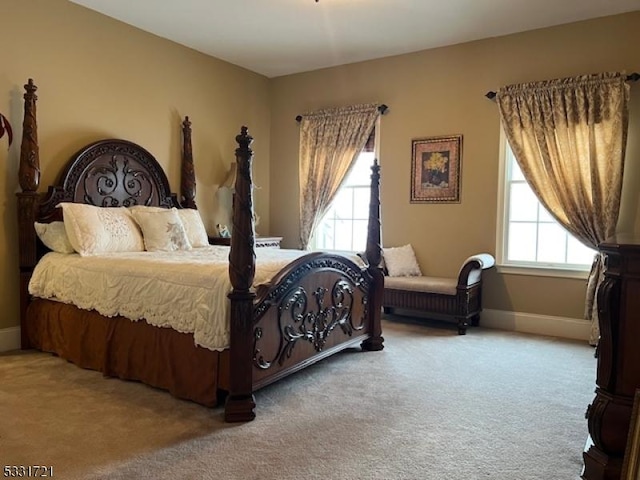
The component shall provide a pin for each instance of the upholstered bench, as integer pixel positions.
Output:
(456, 298)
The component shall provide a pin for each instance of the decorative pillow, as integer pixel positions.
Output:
(401, 261)
(194, 227)
(54, 236)
(94, 230)
(148, 208)
(162, 230)
(196, 233)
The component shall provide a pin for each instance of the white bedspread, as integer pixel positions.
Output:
(184, 290)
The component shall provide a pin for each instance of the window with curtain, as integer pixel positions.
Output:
(529, 237)
(569, 136)
(344, 226)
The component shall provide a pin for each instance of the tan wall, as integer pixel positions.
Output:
(99, 78)
(440, 92)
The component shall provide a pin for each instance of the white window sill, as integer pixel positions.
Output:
(542, 271)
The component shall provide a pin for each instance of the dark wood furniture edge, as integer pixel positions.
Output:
(618, 372)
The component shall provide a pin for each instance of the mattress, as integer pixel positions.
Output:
(184, 290)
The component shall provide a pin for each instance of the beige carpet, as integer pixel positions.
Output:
(433, 405)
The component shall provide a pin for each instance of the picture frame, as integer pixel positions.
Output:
(223, 231)
(436, 169)
(631, 463)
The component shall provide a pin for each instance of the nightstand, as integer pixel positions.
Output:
(268, 242)
(219, 241)
(261, 242)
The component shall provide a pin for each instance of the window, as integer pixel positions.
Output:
(344, 226)
(528, 236)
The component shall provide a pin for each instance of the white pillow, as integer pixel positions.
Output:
(137, 208)
(54, 236)
(401, 261)
(162, 230)
(193, 225)
(94, 230)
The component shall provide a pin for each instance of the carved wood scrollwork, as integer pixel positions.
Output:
(109, 173)
(117, 173)
(300, 319)
(608, 301)
(348, 270)
(117, 184)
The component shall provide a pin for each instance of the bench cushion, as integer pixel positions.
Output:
(446, 286)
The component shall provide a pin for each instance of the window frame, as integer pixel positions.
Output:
(372, 146)
(502, 232)
(351, 218)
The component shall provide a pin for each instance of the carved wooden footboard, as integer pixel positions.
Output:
(316, 306)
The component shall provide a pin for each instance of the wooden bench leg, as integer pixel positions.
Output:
(475, 320)
(462, 326)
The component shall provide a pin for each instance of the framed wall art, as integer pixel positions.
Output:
(435, 169)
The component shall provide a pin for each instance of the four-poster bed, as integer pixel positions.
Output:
(315, 306)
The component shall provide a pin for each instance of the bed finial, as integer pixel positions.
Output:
(244, 139)
(188, 177)
(29, 171)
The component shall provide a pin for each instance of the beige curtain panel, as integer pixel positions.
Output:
(330, 141)
(569, 138)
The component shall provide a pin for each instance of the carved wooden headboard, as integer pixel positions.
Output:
(109, 173)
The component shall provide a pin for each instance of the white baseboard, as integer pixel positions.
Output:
(9, 339)
(564, 327)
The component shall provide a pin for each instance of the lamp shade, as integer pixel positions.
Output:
(230, 180)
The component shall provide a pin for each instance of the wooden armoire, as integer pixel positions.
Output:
(618, 359)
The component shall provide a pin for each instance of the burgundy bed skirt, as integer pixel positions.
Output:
(118, 347)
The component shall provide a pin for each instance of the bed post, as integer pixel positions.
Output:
(188, 177)
(373, 254)
(240, 402)
(29, 180)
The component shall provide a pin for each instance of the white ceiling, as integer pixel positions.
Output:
(280, 37)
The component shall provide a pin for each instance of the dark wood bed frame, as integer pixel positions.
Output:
(316, 306)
